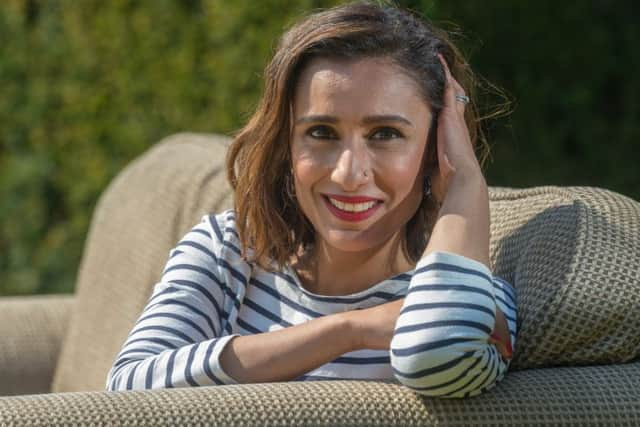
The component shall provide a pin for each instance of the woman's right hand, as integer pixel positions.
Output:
(373, 327)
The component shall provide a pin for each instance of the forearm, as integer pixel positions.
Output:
(440, 345)
(462, 226)
(286, 354)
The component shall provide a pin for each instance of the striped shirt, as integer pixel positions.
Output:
(208, 294)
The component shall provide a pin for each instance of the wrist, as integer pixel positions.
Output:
(471, 176)
(351, 329)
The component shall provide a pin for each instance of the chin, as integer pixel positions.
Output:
(351, 241)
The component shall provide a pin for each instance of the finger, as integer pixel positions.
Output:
(458, 90)
(453, 88)
(449, 94)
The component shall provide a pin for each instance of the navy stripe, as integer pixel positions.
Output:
(453, 381)
(153, 297)
(444, 287)
(410, 351)
(187, 369)
(266, 313)
(509, 290)
(132, 373)
(491, 375)
(123, 360)
(167, 378)
(485, 369)
(214, 225)
(168, 329)
(509, 306)
(177, 317)
(207, 360)
(434, 305)
(386, 296)
(232, 231)
(197, 269)
(403, 277)
(148, 383)
(233, 247)
(202, 231)
(247, 327)
(450, 267)
(512, 301)
(235, 273)
(435, 369)
(199, 247)
(203, 291)
(375, 360)
(160, 341)
(283, 299)
(175, 252)
(443, 323)
(172, 301)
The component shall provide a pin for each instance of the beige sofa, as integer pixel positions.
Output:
(573, 254)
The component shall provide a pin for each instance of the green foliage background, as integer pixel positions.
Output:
(88, 85)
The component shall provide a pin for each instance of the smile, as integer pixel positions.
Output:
(351, 211)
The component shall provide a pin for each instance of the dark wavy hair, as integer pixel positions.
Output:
(259, 159)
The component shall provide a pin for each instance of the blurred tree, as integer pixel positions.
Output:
(87, 86)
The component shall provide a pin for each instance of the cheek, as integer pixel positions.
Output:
(307, 170)
(401, 173)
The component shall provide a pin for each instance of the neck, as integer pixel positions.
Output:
(327, 271)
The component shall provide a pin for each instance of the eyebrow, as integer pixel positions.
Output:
(365, 120)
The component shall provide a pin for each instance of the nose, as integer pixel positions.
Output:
(350, 165)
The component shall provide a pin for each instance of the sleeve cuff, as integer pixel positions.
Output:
(216, 366)
(457, 260)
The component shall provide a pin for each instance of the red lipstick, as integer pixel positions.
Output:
(352, 216)
(352, 199)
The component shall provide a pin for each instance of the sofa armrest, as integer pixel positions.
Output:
(590, 395)
(31, 332)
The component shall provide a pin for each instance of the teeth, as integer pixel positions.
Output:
(352, 207)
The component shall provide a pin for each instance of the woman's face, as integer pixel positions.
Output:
(352, 116)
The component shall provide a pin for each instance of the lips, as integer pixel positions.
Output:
(349, 215)
(352, 199)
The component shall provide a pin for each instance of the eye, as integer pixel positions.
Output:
(321, 132)
(385, 133)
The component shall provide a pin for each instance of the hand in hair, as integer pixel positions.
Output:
(455, 151)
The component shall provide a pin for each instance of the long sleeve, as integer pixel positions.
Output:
(180, 334)
(440, 345)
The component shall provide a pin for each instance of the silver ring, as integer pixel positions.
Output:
(463, 98)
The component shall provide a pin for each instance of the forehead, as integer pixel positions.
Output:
(366, 86)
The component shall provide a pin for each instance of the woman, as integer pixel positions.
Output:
(359, 243)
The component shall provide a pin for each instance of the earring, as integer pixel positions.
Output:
(427, 186)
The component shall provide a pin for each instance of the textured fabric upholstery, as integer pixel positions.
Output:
(577, 396)
(140, 217)
(31, 332)
(573, 254)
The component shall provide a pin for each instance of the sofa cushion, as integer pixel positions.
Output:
(143, 213)
(571, 253)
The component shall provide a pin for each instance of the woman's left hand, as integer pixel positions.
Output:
(455, 151)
